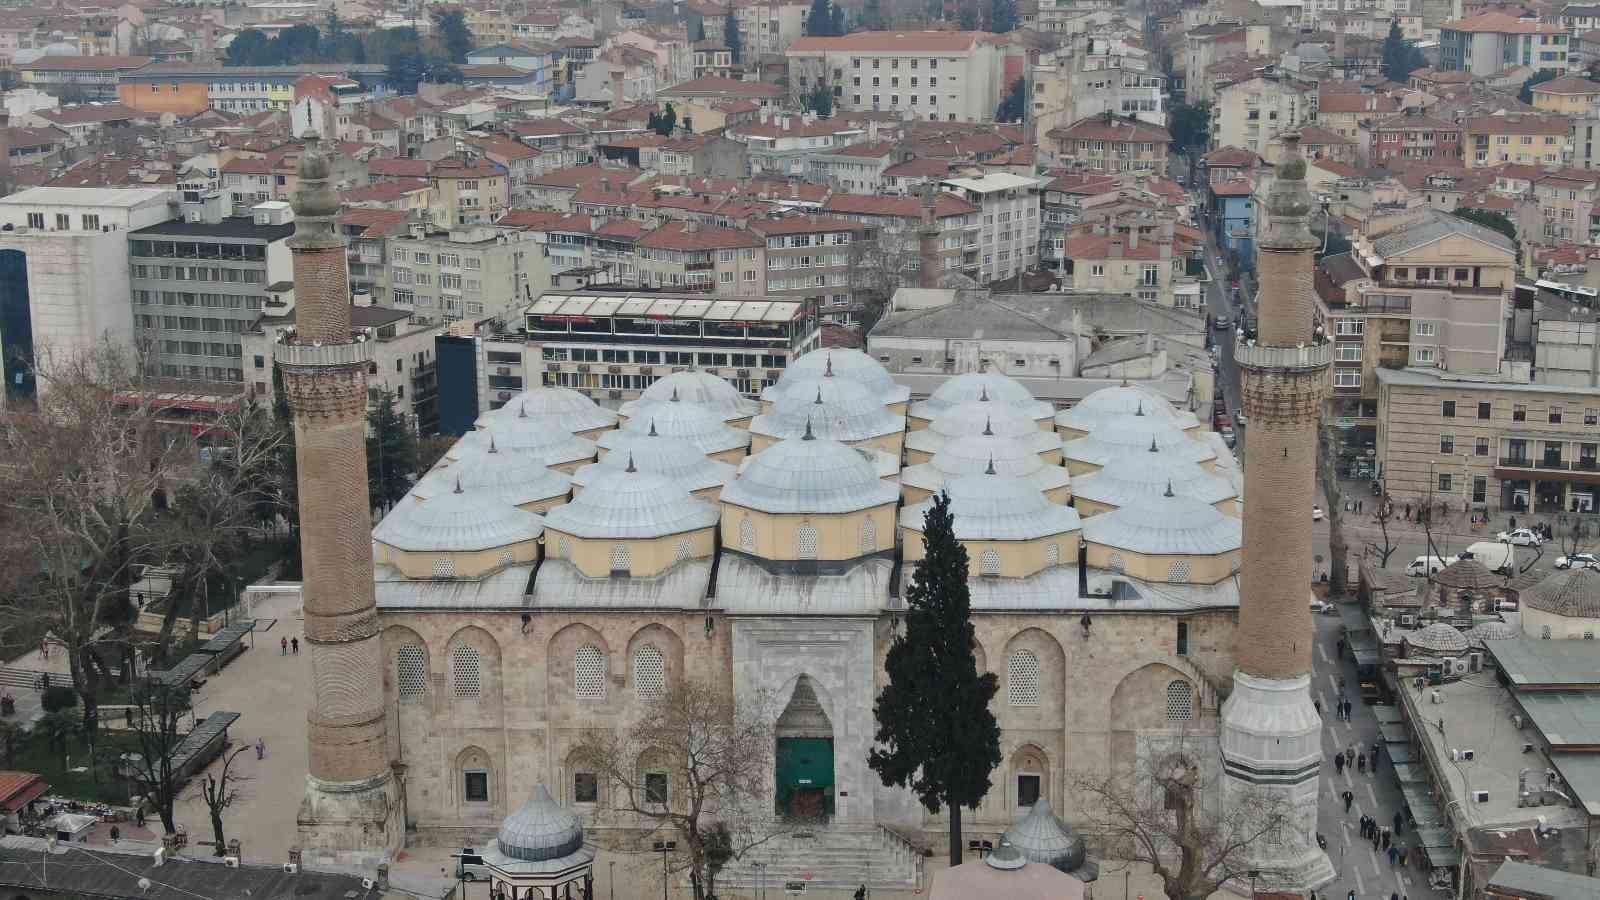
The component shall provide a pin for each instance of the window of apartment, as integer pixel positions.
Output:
(1448, 409)
(655, 788)
(1402, 273)
(1348, 352)
(1424, 355)
(1591, 416)
(1462, 274)
(1480, 446)
(63, 222)
(1519, 413)
(1349, 327)
(1485, 410)
(1097, 270)
(91, 222)
(1347, 379)
(1555, 415)
(1426, 329)
(36, 220)
(1444, 482)
(1447, 443)
(1480, 489)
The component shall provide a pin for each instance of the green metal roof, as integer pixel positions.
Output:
(1530, 661)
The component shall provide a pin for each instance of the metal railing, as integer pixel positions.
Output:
(1310, 356)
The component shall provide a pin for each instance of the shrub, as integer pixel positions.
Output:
(58, 697)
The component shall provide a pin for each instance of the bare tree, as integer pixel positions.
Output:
(1386, 549)
(1161, 811)
(1575, 537)
(219, 790)
(155, 716)
(716, 755)
(1333, 493)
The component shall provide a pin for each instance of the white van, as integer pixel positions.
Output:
(1428, 565)
(1495, 556)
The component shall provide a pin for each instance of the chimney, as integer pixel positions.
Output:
(872, 131)
(605, 184)
(1114, 249)
(1133, 237)
(691, 226)
(928, 237)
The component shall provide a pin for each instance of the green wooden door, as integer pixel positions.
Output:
(805, 776)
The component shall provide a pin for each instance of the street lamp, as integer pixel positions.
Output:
(663, 848)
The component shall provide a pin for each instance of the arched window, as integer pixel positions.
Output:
(989, 563)
(806, 541)
(747, 535)
(1052, 555)
(619, 557)
(869, 535)
(466, 672)
(1178, 573)
(444, 567)
(589, 673)
(410, 672)
(1022, 678)
(1180, 701)
(649, 672)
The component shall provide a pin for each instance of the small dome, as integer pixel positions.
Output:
(846, 364)
(701, 389)
(675, 459)
(1111, 403)
(1438, 637)
(550, 446)
(1468, 575)
(1574, 593)
(698, 425)
(1135, 476)
(1005, 857)
(976, 454)
(983, 386)
(835, 408)
(976, 417)
(997, 508)
(457, 521)
(809, 475)
(631, 504)
(1166, 525)
(1127, 435)
(1043, 838)
(565, 408)
(1492, 631)
(518, 478)
(541, 830)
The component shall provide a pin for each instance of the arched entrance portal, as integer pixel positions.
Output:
(805, 755)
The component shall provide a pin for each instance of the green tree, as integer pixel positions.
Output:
(820, 101)
(1488, 218)
(1190, 126)
(730, 35)
(935, 731)
(1003, 16)
(699, 33)
(391, 453)
(872, 15)
(1400, 56)
(250, 48)
(664, 122)
(969, 16)
(300, 44)
(1013, 104)
(838, 19)
(454, 38)
(1539, 77)
(60, 730)
(819, 22)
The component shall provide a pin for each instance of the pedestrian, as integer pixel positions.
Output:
(1348, 797)
(1408, 514)
(116, 834)
(1394, 895)
(283, 646)
(1338, 763)
(1374, 839)
(1350, 752)
(1340, 646)
(1351, 895)
(1386, 839)
(1399, 820)
(295, 644)
(1347, 707)
(1402, 856)
(44, 648)
(1361, 762)
(861, 893)
(1394, 854)
(1316, 703)
(1359, 505)
(261, 748)
(138, 817)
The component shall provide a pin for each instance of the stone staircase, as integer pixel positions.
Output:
(835, 857)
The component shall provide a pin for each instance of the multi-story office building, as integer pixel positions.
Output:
(613, 345)
(955, 76)
(81, 77)
(1008, 233)
(197, 286)
(473, 272)
(1491, 42)
(64, 271)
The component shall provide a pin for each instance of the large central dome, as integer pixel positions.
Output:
(631, 504)
(833, 407)
(845, 364)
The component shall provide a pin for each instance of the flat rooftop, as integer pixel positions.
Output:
(1533, 664)
(1538, 881)
(233, 227)
(1569, 720)
(78, 196)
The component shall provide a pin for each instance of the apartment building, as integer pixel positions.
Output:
(468, 191)
(1412, 135)
(1496, 445)
(1249, 113)
(857, 168)
(1346, 112)
(810, 258)
(1094, 83)
(1204, 47)
(367, 233)
(613, 345)
(95, 78)
(897, 221)
(1491, 42)
(769, 27)
(1560, 208)
(1107, 143)
(1519, 138)
(1107, 259)
(784, 145)
(954, 76)
(185, 89)
(197, 286)
(1008, 211)
(1569, 95)
(467, 272)
(602, 248)
(688, 255)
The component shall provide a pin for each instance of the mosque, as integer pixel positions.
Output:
(566, 564)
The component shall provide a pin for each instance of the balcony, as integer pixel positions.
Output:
(699, 266)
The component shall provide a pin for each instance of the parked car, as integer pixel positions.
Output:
(1316, 514)
(1223, 322)
(1522, 537)
(1428, 565)
(1323, 607)
(1578, 561)
(1228, 436)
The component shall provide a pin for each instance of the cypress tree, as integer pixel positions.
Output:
(935, 731)
(730, 35)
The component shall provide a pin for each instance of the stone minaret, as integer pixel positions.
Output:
(1270, 730)
(351, 805)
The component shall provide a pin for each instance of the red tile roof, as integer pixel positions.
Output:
(384, 191)
(1520, 123)
(1356, 102)
(1116, 128)
(1235, 187)
(374, 222)
(84, 63)
(1569, 84)
(679, 236)
(1231, 157)
(898, 207)
(397, 168)
(545, 128)
(17, 788)
(1311, 134)
(1098, 246)
(919, 168)
(717, 86)
(1500, 23)
(459, 168)
(804, 225)
(87, 114)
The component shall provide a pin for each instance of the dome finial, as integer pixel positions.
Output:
(988, 425)
(808, 436)
(990, 470)
(458, 483)
(819, 394)
(674, 393)
(491, 443)
(630, 467)
(984, 396)
(1152, 443)
(827, 372)
(522, 410)
(1169, 489)
(1139, 411)
(653, 428)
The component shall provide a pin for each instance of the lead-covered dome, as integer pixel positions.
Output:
(1111, 403)
(675, 459)
(1438, 638)
(701, 389)
(698, 425)
(1165, 525)
(1138, 476)
(833, 408)
(1043, 838)
(996, 508)
(517, 478)
(558, 407)
(809, 475)
(1129, 435)
(977, 454)
(540, 830)
(1492, 631)
(630, 503)
(979, 417)
(1574, 594)
(550, 446)
(983, 387)
(457, 522)
(844, 363)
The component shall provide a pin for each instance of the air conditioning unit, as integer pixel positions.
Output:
(1481, 796)
(1435, 697)
(1461, 666)
(1469, 755)
(231, 862)
(368, 884)
(1475, 662)
(552, 367)
(774, 374)
(502, 370)
(743, 373)
(614, 369)
(1408, 621)
(1517, 720)
(291, 868)
(1448, 665)
(712, 371)
(583, 368)
(646, 370)
(193, 217)
(505, 395)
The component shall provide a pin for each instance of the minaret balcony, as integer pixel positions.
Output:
(1303, 359)
(344, 353)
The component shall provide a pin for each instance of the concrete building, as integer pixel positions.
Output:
(1108, 143)
(95, 78)
(1517, 138)
(810, 258)
(474, 272)
(1095, 82)
(782, 145)
(689, 256)
(1250, 113)
(1008, 234)
(197, 286)
(64, 272)
(1491, 42)
(955, 76)
(468, 192)
(1570, 95)
(1565, 353)
(1412, 135)
(899, 223)
(1113, 260)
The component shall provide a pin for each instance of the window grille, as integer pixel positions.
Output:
(683, 551)
(1052, 555)
(619, 557)
(1022, 678)
(466, 676)
(747, 535)
(989, 563)
(411, 671)
(507, 557)
(444, 568)
(1114, 563)
(649, 673)
(1179, 573)
(564, 548)
(806, 536)
(869, 535)
(1180, 701)
(589, 670)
